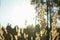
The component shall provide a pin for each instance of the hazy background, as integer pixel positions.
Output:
(15, 12)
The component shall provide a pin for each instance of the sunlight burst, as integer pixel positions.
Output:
(22, 13)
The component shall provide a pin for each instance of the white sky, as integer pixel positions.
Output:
(15, 12)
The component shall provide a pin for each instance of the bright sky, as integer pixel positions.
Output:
(15, 12)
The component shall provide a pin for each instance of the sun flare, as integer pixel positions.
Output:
(22, 13)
